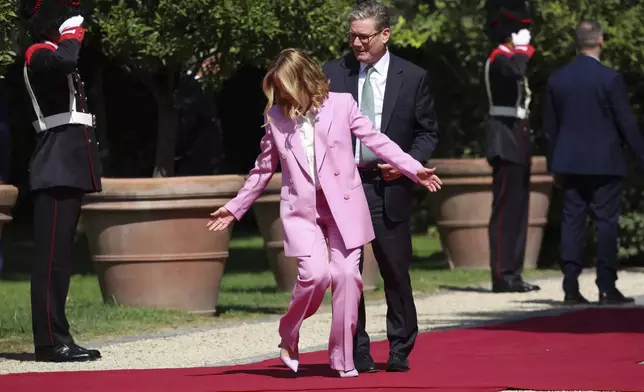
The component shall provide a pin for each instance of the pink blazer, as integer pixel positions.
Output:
(338, 175)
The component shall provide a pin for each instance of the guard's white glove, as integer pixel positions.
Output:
(74, 21)
(522, 38)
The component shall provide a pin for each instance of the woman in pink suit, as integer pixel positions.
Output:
(308, 132)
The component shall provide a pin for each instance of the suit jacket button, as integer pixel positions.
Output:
(337, 173)
(346, 197)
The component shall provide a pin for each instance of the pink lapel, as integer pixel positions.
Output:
(293, 142)
(322, 127)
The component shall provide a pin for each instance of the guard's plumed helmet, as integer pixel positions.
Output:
(42, 16)
(505, 17)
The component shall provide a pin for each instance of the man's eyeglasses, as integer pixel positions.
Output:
(364, 39)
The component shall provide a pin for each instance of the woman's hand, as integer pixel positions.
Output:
(428, 179)
(221, 219)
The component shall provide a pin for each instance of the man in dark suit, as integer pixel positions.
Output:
(508, 144)
(394, 94)
(586, 118)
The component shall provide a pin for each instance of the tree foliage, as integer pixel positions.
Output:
(163, 39)
(155, 36)
(7, 32)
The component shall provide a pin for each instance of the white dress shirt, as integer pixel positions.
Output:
(378, 81)
(306, 127)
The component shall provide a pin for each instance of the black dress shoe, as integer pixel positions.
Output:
(66, 353)
(575, 299)
(614, 297)
(397, 363)
(364, 363)
(518, 287)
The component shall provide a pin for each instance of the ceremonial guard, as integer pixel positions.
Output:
(508, 142)
(64, 166)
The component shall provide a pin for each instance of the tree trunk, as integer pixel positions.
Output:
(162, 86)
(167, 126)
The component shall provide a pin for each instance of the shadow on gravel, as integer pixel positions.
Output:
(468, 289)
(22, 357)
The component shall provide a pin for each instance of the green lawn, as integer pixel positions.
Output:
(248, 290)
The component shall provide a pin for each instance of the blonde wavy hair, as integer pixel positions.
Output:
(296, 83)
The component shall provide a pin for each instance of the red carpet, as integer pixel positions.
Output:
(594, 349)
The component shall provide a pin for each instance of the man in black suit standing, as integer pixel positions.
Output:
(586, 118)
(509, 144)
(394, 94)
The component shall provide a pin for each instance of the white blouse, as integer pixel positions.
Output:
(306, 127)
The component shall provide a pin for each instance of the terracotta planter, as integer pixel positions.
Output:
(462, 210)
(284, 268)
(8, 197)
(149, 241)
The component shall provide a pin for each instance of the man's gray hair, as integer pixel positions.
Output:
(588, 34)
(371, 10)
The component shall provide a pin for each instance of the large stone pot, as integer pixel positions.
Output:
(150, 244)
(267, 213)
(8, 197)
(463, 206)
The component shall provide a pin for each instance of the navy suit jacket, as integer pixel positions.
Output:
(587, 117)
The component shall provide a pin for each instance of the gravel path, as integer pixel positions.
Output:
(236, 343)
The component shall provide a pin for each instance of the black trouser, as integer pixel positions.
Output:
(600, 194)
(508, 227)
(56, 214)
(392, 249)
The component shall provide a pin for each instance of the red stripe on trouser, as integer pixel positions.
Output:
(51, 260)
(500, 225)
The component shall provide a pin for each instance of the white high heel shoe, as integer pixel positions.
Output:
(289, 359)
(350, 373)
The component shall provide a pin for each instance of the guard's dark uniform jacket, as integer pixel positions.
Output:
(507, 128)
(66, 152)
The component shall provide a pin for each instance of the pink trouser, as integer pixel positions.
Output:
(315, 273)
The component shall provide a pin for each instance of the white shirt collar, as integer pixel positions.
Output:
(382, 66)
(594, 57)
(308, 117)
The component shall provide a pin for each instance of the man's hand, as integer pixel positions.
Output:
(389, 173)
(428, 179)
(221, 219)
(522, 38)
